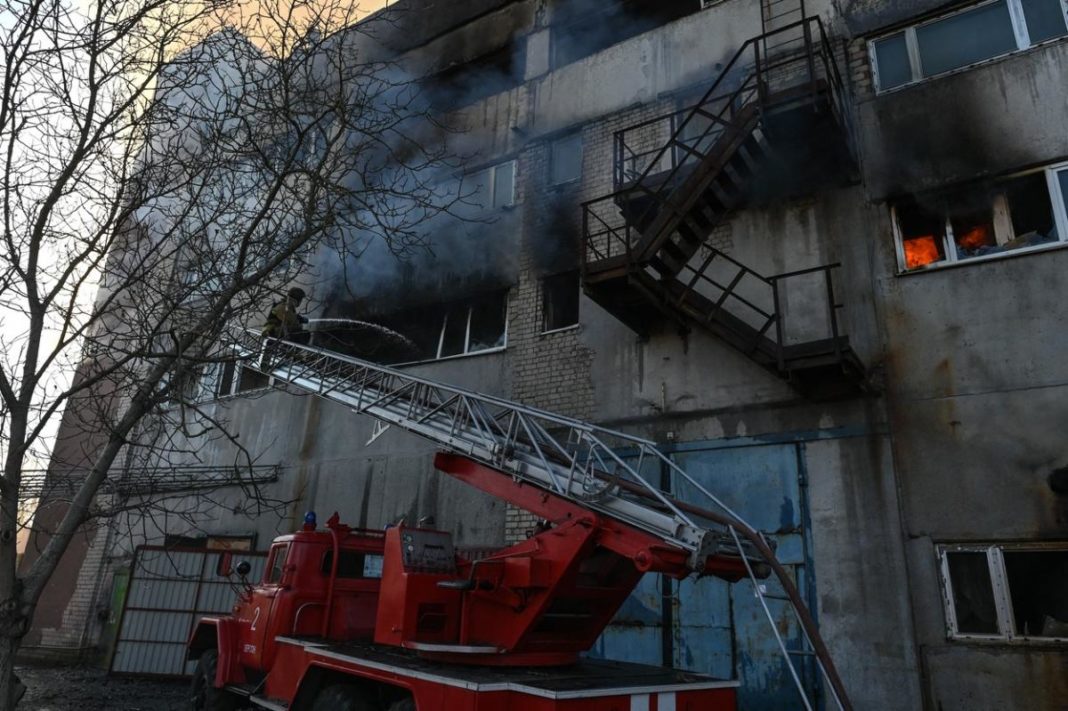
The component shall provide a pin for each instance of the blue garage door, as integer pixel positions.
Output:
(721, 628)
(716, 627)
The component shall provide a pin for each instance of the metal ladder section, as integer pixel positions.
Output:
(596, 467)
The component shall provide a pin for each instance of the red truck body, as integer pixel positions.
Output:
(359, 620)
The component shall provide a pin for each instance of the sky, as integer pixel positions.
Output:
(11, 320)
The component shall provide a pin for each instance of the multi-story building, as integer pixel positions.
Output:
(813, 249)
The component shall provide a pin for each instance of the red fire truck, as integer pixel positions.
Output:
(396, 620)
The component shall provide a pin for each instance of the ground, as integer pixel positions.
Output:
(90, 689)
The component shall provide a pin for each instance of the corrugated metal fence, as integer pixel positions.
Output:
(169, 590)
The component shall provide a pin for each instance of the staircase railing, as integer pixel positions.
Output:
(758, 301)
(640, 150)
(647, 169)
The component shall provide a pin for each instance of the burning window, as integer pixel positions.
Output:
(982, 219)
(560, 301)
(964, 37)
(1014, 592)
(922, 234)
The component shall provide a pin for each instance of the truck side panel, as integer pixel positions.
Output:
(303, 668)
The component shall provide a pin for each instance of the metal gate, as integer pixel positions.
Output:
(170, 588)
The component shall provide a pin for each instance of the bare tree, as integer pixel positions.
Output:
(168, 167)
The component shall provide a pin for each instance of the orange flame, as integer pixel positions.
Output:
(920, 251)
(978, 236)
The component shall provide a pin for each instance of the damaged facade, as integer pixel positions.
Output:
(813, 250)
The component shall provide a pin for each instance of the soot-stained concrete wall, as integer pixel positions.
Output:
(955, 444)
(975, 389)
(992, 119)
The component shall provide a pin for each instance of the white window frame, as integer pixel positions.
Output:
(467, 335)
(949, 247)
(999, 584)
(1019, 29)
(491, 186)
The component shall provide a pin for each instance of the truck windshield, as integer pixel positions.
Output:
(277, 564)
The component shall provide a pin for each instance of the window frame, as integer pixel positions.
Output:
(490, 172)
(1000, 586)
(1019, 30)
(560, 140)
(469, 310)
(1058, 204)
(543, 283)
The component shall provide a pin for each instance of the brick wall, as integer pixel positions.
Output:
(81, 610)
(859, 68)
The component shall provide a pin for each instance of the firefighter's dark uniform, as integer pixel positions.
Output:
(284, 322)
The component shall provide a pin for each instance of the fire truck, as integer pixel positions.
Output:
(348, 619)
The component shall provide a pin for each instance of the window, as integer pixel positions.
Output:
(463, 84)
(584, 27)
(249, 379)
(980, 220)
(494, 187)
(565, 159)
(1006, 592)
(472, 327)
(276, 565)
(353, 564)
(965, 37)
(560, 301)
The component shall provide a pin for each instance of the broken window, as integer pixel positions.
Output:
(565, 159)
(964, 37)
(922, 233)
(1006, 592)
(980, 220)
(249, 379)
(465, 83)
(225, 384)
(584, 27)
(560, 301)
(487, 324)
(471, 326)
(973, 593)
(1038, 590)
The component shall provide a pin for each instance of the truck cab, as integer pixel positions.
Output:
(316, 583)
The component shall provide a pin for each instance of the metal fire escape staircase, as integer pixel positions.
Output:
(597, 468)
(649, 247)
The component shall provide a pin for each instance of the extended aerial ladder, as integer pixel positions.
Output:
(598, 469)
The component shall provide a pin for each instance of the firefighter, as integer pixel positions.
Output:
(284, 322)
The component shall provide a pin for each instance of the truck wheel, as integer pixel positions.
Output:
(343, 697)
(205, 696)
